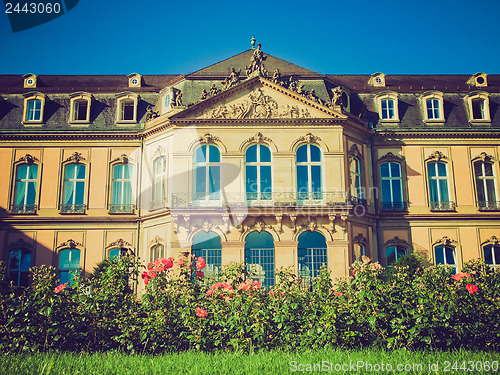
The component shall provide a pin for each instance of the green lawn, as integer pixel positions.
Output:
(273, 362)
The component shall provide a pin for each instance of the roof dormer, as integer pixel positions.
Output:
(134, 80)
(30, 80)
(377, 80)
(478, 80)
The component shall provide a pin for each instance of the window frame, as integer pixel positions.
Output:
(392, 205)
(207, 197)
(387, 96)
(260, 196)
(433, 95)
(397, 248)
(29, 161)
(444, 248)
(495, 260)
(485, 204)
(33, 97)
(122, 208)
(159, 200)
(476, 96)
(69, 246)
(75, 159)
(440, 204)
(312, 196)
(75, 100)
(121, 100)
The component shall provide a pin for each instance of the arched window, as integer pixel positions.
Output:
(392, 187)
(492, 255)
(208, 246)
(18, 266)
(69, 265)
(485, 185)
(355, 177)
(121, 199)
(445, 255)
(439, 193)
(207, 174)
(25, 189)
(393, 253)
(309, 174)
(312, 255)
(73, 197)
(159, 181)
(157, 251)
(432, 106)
(259, 257)
(258, 173)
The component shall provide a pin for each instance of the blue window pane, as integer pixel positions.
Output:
(79, 192)
(265, 179)
(200, 173)
(68, 192)
(316, 178)
(25, 260)
(433, 189)
(22, 171)
(443, 190)
(251, 179)
(117, 192)
(315, 153)
(450, 257)
(128, 171)
(31, 197)
(396, 191)
(302, 154)
(440, 255)
(64, 259)
(441, 169)
(386, 191)
(384, 169)
(75, 259)
(431, 169)
(395, 170)
(488, 254)
(302, 179)
(70, 171)
(390, 253)
(80, 174)
(251, 154)
(200, 154)
(118, 171)
(214, 154)
(114, 254)
(265, 154)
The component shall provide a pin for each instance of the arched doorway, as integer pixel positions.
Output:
(208, 246)
(311, 255)
(259, 257)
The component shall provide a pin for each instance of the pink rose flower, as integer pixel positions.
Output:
(471, 288)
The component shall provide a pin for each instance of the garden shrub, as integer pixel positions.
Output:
(407, 306)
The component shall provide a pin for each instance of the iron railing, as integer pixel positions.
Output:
(157, 204)
(394, 206)
(121, 208)
(488, 205)
(443, 206)
(268, 199)
(24, 208)
(73, 208)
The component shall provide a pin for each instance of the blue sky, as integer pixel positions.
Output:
(334, 37)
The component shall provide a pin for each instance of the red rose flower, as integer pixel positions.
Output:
(199, 275)
(471, 288)
(338, 294)
(200, 263)
(60, 288)
(460, 276)
(169, 263)
(145, 277)
(201, 313)
(209, 292)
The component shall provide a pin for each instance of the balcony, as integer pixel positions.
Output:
(488, 206)
(394, 206)
(268, 199)
(73, 208)
(121, 208)
(23, 208)
(443, 206)
(157, 204)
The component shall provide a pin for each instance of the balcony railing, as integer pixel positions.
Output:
(443, 206)
(73, 208)
(488, 206)
(157, 204)
(394, 206)
(268, 199)
(24, 208)
(121, 208)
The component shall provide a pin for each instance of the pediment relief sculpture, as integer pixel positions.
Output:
(391, 157)
(30, 159)
(396, 241)
(121, 244)
(436, 156)
(446, 241)
(76, 157)
(71, 244)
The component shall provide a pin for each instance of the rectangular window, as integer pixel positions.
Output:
(122, 188)
(478, 109)
(34, 110)
(388, 109)
(18, 267)
(69, 265)
(433, 109)
(74, 188)
(392, 189)
(127, 111)
(25, 188)
(80, 110)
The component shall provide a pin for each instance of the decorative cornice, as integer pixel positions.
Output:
(484, 157)
(76, 157)
(390, 157)
(396, 241)
(445, 241)
(437, 156)
(360, 239)
(30, 159)
(121, 244)
(71, 244)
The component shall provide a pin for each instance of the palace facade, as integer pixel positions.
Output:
(252, 159)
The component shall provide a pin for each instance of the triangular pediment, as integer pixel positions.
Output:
(259, 98)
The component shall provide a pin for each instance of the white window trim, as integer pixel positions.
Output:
(126, 97)
(481, 95)
(27, 98)
(387, 96)
(76, 98)
(423, 104)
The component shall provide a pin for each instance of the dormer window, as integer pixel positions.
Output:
(387, 104)
(478, 80)
(134, 80)
(29, 80)
(432, 106)
(377, 80)
(80, 107)
(34, 103)
(478, 106)
(126, 111)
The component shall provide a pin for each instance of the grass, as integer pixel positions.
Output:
(269, 362)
